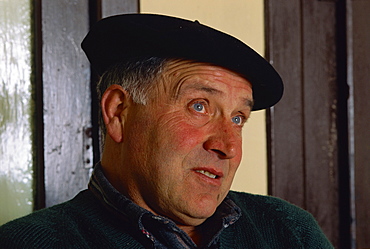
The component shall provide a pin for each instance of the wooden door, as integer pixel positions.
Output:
(66, 120)
(319, 141)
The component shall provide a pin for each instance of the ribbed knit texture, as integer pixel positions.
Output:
(83, 222)
(269, 222)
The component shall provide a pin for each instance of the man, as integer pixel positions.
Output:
(174, 97)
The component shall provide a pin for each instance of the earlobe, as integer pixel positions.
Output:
(114, 103)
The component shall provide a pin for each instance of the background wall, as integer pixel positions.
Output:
(244, 20)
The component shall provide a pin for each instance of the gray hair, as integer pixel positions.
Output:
(137, 77)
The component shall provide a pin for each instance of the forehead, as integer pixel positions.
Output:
(181, 76)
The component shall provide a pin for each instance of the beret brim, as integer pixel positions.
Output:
(121, 38)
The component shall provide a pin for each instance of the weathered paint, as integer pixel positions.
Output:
(15, 110)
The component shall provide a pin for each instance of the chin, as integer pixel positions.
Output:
(204, 210)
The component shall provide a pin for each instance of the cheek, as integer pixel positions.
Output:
(238, 156)
(185, 137)
(179, 133)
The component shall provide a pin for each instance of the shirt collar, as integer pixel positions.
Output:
(163, 232)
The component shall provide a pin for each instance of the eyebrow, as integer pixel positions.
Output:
(201, 88)
(211, 90)
(249, 102)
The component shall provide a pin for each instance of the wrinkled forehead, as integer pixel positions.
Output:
(184, 76)
(179, 72)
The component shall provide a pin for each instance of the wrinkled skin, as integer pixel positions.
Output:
(177, 155)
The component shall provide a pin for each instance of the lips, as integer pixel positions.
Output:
(207, 173)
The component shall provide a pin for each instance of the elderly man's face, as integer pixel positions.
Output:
(183, 148)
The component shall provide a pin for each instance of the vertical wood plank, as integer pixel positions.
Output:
(284, 52)
(66, 82)
(67, 91)
(38, 137)
(320, 114)
(358, 22)
(115, 7)
(303, 132)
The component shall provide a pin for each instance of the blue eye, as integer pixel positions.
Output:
(237, 120)
(198, 107)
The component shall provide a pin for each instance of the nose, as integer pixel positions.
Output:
(224, 141)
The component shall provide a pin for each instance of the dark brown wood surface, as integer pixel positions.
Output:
(319, 156)
(303, 132)
(320, 114)
(286, 56)
(359, 117)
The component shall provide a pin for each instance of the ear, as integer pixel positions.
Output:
(114, 104)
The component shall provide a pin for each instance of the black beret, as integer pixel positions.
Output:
(121, 38)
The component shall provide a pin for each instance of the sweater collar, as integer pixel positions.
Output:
(162, 232)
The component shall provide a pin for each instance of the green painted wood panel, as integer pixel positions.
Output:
(16, 167)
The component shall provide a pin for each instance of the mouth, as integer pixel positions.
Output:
(209, 177)
(208, 174)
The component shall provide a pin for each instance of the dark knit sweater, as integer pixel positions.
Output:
(83, 222)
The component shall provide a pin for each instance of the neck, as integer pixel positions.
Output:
(193, 232)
